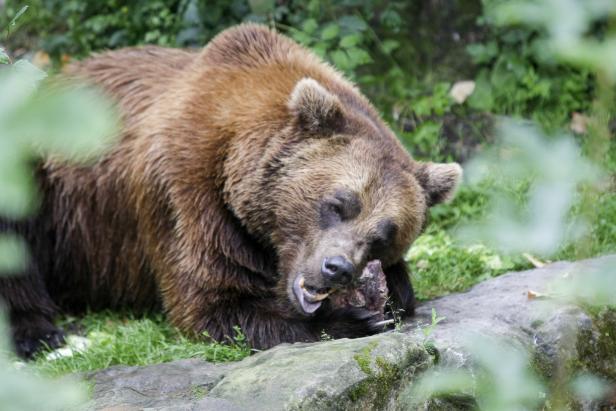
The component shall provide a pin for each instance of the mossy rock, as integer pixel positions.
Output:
(343, 374)
(378, 372)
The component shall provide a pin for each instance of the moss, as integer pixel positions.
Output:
(433, 351)
(537, 323)
(378, 385)
(596, 348)
(593, 351)
(380, 382)
(198, 392)
(359, 391)
(364, 358)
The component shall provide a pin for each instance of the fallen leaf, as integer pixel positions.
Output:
(41, 60)
(579, 123)
(532, 295)
(462, 90)
(534, 260)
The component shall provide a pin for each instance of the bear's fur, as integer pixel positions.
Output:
(239, 169)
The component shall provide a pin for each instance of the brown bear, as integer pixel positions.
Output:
(250, 180)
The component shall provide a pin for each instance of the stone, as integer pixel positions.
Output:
(341, 374)
(376, 372)
(525, 309)
(181, 384)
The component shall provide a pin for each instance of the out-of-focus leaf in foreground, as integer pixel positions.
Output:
(553, 168)
(567, 23)
(64, 123)
(501, 380)
(22, 390)
(36, 118)
(13, 253)
(594, 286)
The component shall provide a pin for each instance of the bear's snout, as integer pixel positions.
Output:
(337, 270)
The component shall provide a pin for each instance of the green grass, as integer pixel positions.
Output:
(440, 265)
(128, 340)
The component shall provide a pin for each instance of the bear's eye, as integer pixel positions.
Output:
(331, 213)
(335, 209)
(344, 205)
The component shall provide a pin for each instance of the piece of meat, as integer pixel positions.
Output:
(370, 292)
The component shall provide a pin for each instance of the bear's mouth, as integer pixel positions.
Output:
(309, 298)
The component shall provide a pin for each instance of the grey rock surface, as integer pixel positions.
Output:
(180, 385)
(341, 374)
(376, 372)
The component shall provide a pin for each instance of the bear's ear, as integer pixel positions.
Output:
(439, 180)
(316, 110)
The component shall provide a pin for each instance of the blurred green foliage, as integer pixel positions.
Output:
(37, 118)
(517, 76)
(404, 55)
(558, 176)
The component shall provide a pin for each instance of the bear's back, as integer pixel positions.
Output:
(133, 77)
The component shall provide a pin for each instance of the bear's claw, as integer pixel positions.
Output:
(34, 334)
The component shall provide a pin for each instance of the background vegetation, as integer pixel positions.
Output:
(406, 56)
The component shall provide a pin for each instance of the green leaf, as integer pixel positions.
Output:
(13, 254)
(4, 58)
(352, 23)
(389, 45)
(439, 382)
(30, 71)
(482, 53)
(349, 40)
(320, 49)
(482, 97)
(358, 56)
(330, 32)
(301, 37)
(261, 6)
(18, 15)
(340, 59)
(48, 122)
(17, 187)
(310, 26)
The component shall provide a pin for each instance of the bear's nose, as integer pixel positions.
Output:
(337, 269)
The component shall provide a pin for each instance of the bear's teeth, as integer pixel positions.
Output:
(313, 297)
(320, 297)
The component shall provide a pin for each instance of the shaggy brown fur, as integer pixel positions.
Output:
(239, 169)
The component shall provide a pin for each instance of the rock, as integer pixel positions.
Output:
(552, 330)
(177, 385)
(502, 307)
(376, 372)
(341, 374)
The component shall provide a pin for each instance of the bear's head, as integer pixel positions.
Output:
(343, 191)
